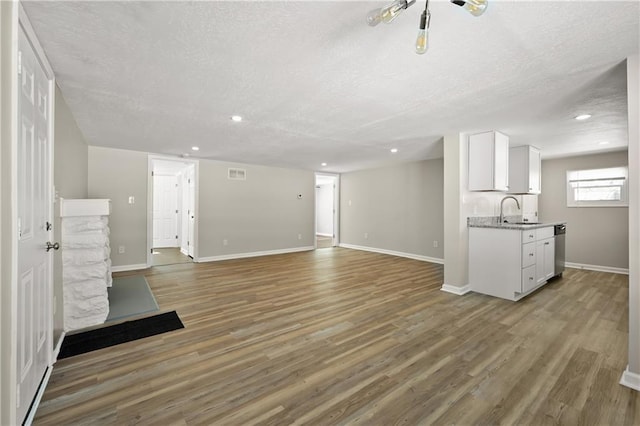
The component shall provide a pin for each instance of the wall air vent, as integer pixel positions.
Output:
(237, 174)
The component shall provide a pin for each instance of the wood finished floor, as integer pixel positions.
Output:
(349, 337)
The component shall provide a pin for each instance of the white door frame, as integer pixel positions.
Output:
(19, 20)
(151, 159)
(336, 213)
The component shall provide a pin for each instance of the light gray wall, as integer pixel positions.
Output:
(117, 174)
(595, 235)
(261, 213)
(324, 209)
(400, 207)
(70, 180)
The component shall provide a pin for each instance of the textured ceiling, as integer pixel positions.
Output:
(315, 84)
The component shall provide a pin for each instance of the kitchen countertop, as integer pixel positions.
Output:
(492, 222)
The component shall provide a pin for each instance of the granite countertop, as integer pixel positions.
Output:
(492, 222)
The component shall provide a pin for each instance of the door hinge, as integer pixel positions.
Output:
(151, 251)
(176, 211)
(176, 237)
(19, 62)
(189, 181)
(152, 173)
(48, 226)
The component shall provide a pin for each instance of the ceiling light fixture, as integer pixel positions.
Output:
(391, 11)
(324, 164)
(236, 118)
(394, 150)
(582, 117)
(195, 148)
(603, 143)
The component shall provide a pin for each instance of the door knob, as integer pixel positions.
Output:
(54, 246)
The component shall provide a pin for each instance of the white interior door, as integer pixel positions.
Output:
(165, 211)
(34, 320)
(191, 182)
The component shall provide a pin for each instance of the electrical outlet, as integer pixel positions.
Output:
(225, 242)
(435, 243)
(366, 235)
(120, 249)
(132, 199)
(299, 236)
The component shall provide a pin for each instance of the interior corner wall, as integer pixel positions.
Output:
(70, 180)
(604, 245)
(399, 208)
(260, 214)
(118, 174)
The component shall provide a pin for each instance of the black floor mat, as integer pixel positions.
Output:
(76, 344)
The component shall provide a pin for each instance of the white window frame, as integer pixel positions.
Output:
(592, 176)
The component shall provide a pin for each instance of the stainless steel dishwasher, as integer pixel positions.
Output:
(559, 231)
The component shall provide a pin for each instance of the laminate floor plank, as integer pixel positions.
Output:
(347, 337)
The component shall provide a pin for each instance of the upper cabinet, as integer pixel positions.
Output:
(489, 162)
(524, 170)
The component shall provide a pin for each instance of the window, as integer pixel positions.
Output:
(597, 187)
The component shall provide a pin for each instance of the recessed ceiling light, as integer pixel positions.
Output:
(236, 118)
(324, 164)
(394, 150)
(195, 148)
(582, 117)
(603, 143)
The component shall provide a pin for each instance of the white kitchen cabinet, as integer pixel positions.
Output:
(524, 170)
(510, 263)
(488, 162)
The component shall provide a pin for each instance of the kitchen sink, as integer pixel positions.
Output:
(523, 223)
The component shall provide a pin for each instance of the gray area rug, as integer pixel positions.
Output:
(130, 296)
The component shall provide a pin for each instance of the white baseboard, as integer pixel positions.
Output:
(183, 251)
(253, 254)
(630, 380)
(320, 234)
(611, 269)
(56, 350)
(393, 253)
(455, 289)
(122, 268)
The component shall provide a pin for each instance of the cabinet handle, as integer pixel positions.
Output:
(531, 254)
(530, 235)
(530, 278)
(547, 243)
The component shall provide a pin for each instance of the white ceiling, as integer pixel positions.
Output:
(316, 84)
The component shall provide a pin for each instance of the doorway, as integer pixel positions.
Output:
(172, 218)
(327, 191)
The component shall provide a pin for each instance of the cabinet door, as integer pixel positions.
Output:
(534, 171)
(488, 162)
(549, 257)
(501, 162)
(540, 269)
(529, 278)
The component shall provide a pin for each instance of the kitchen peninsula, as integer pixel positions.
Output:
(510, 259)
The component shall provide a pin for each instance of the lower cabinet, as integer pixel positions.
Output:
(510, 263)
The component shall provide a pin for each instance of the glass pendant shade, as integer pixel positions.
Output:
(422, 41)
(475, 7)
(391, 11)
(374, 17)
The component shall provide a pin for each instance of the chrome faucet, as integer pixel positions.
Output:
(501, 219)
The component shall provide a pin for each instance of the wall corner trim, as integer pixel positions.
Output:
(393, 253)
(459, 291)
(254, 254)
(122, 268)
(630, 380)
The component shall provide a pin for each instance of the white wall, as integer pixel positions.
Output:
(324, 209)
(399, 208)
